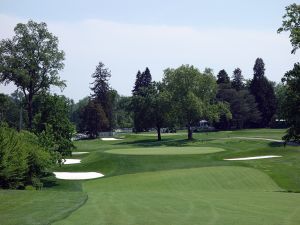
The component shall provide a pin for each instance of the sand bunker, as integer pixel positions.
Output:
(77, 175)
(79, 153)
(71, 161)
(255, 157)
(110, 139)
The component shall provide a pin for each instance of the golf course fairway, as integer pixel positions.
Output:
(166, 151)
(209, 195)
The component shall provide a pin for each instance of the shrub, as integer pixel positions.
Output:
(22, 159)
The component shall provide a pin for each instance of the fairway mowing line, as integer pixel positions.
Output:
(79, 153)
(255, 157)
(77, 175)
(71, 161)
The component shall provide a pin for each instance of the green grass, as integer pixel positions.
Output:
(169, 189)
(166, 151)
(209, 195)
(37, 207)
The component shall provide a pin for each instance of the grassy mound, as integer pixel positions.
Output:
(210, 195)
(166, 151)
(38, 207)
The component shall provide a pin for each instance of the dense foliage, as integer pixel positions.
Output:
(192, 95)
(31, 60)
(291, 103)
(291, 23)
(23, 161)
(263, 91)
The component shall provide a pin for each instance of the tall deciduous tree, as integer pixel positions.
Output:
(291, 23)
(94, 118)
(193, 95)
(291, 104)
(263, 91)
(31, 60)
(52, 118)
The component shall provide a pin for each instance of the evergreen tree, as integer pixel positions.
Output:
(103, 93)
(237, 80)
(263, 91)
(222, 77)
(137, 84)
(141, 101)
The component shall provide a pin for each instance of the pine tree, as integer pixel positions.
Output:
(103, 93)
(223, 77)
(263, 91)
(237, 80)
(140, 101)
(137, 84)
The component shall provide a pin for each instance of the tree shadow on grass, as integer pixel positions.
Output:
(276, 144)
(165, 142)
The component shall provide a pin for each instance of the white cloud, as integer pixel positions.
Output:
(126, 48)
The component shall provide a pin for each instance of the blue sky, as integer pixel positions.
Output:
(129, 35)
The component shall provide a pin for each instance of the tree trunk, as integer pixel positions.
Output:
(158, 133)
(190, 133)
(30, 113)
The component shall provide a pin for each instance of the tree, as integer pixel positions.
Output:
(31, 60)
(94, 118)
(237, 80)
(159, 107)
(291, 23)
(223, 77)
(76, 111)
(263, 91)
(23, 160)
(103, 93)
(52, 119)
(192, 95)
(141, 101)
(291, 104)
(123, 113)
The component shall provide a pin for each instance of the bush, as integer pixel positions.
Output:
(22, 159)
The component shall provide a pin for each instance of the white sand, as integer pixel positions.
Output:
(79, 153)
(256, 157)
(110, 139)
(71, 161)
(77, 175)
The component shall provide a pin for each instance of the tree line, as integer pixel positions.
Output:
(31, 60)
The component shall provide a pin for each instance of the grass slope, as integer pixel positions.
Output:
(37, 207)
(210, 195)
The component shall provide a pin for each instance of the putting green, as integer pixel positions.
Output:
(166, 151)
(211, 195)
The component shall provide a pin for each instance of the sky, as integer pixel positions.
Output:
(131, 35)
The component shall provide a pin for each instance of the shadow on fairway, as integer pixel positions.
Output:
(276, 144)
(164, 142)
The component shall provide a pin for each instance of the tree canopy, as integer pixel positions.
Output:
(264, 93)
(291, 104)
(193, 94)
(291, 23)
(31, 60)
